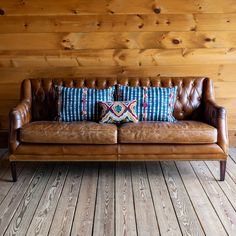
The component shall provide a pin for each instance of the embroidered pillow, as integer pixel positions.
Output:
(153, 103)
(78, 104)
(118, 112)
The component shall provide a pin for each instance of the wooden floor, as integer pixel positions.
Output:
(167, 198)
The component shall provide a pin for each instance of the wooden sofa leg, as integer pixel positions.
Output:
(222, 170)
(13, 171)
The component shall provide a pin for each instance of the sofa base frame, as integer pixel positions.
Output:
(13, 171)
(222, 170)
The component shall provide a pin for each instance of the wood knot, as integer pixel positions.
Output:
(76, 11)
(209, 39)
(141, 26)
(2, 12)
(175, 41)
(25, 25)
(157, 10)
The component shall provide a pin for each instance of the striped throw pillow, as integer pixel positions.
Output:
(153, 103)
(78, 104)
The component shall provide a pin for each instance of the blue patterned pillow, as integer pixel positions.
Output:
(153, 103)
(79, 104)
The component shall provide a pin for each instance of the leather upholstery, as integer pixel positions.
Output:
(65, 149)
(181, 132)
(169, 149)
(195, 102)
(68, 132)
(217, 117)
(190, 92)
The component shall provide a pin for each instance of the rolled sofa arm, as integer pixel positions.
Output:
(216, 116)
(18, 116)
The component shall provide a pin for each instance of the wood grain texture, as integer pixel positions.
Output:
(188, 219)
(98, 23)
(201, 203)
(118, 23)
(10, 204)
(44, 213)
(145, 214)
(23, 216)
(228, 186)
(84, 214)
(132, 57)
(125, 222)
(118, 40)
(220, 202)
(81, 7)
(6, 183)
(162, 202)
(64, 215)
(104, 224)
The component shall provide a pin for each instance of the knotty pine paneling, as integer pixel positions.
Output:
(117, 38)
(118, 23)
(85, 7)
(120, 40)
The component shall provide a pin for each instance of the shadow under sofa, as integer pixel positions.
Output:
(199, 134)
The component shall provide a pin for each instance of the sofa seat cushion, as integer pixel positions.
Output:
(181, 132)
(84, 132)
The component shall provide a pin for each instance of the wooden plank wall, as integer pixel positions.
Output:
(118, 37)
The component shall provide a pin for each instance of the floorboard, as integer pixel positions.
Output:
(185, 212)
(118, 199)
(125, 212)
(44, 213)
(200, 201)
(104, 219)
(147, 223)
(218, 199)
(85, 208)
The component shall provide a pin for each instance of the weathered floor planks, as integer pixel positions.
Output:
(120, 199)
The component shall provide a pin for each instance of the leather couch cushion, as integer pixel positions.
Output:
(181, 132)
(84, 132)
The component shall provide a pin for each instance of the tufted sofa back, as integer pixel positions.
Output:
(192, 91)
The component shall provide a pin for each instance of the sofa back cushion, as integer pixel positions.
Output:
(45, 101)
(78, 104)
(153, 103)
(191, 92)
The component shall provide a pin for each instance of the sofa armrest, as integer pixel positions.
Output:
(216, 116)
(18, 116)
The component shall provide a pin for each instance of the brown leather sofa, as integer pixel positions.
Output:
(199, 134)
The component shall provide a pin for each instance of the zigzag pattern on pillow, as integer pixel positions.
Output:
(118, 112)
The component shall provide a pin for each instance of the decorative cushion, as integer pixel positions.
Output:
(153, 103)
(118, 112)
(78, 104)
